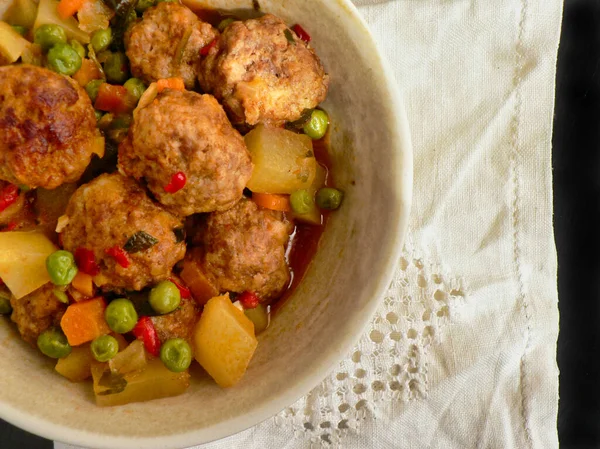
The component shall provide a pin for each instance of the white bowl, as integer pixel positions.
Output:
(326, 315)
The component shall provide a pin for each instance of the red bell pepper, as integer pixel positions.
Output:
(144, 330)
(183, 291)
(8, 195)
(114, 99)
(178, 181)
(301, 32)
(86, 261)
(119, 255)
(249, 300)
(206, 49)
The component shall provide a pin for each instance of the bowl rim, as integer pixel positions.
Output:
(298, 389)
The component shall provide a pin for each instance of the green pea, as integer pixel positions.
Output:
(115, 68)
(225, 23)
(53, 343)
(101, 39)
(80, 49)
(301, 201)
(92, 89)
(121, 316)
(99, 114)
(19, 29)
(61, 267)
(259, 316)
(176, 354)
(316, 127)
(329, 198)
(135, 87)
(104, 348)
(122, 121)
(48, 35)
(143, 5)
(165, 297)
(63, 59)
(5, 307)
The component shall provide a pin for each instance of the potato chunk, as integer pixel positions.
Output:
(224, 341)
(23, 261)
(283, 160)
(77, 365)
(47, 13)
(12, 44)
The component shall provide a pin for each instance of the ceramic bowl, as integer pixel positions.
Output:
(325, 316)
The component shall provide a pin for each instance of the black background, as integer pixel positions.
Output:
(576, 161)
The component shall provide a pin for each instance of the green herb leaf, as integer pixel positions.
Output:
(179, 234)
(140, 241)
(289, 36)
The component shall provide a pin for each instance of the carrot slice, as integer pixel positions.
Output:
(88, 72)
(170, 83)
(66, 8)
(272, 201)
(84, 321)
(82, 282)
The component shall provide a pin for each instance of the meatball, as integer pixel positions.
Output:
(48, 128)
(167, 43)
(113, 210)
(177, 324)
(36, 312)
(263, 73)
(244, 250)
(190, 133)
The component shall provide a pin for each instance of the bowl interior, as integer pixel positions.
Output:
(372, 163)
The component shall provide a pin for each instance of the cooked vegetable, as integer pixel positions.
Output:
(77, 365)
(301, 33)
(313, 216)
(86, 261)
(283, 160)
(178, 181)
(61, 267)
(121, 315)
(94, 15)
(170, 83)
(32, 55)
(154, 382)
(8, 196)
(165, 297)
(87, 74)
(22, 13)
(83, 283)
(104, 348)
(143, 5)
(194, 277)
(259, 317)
(61, 295)
(132, 358)
(224, 341)
(101, 40)
(66, 8)
(12, 44)
(249, 300)
(289, 36)
(140, 241)
(23, 261)
(92, 88)
(53, 343)
(114, 99)
(115, 68)
(119, 255)
(63, 59)
(301, 201)
(47, 13)
(19, 29)
(176, 354)
(329, 198)
(84, 321)
(135, 87)
(145, 331)
(272, 201)
(225, 23)
(80, 49)
(316, 127)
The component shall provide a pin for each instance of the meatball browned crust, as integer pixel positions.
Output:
(108, 212)
(263, 73)
(244, 250)
(179, 323)
(47, 127)
(190, 133)
(167, 43)
(36, 312)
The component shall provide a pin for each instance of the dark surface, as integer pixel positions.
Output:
(576, 157)
(576, 160)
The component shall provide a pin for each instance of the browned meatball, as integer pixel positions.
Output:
(262, 77)
(36, 312)
(47, 127)
(190, 133)
(167, 43)
(177, 324)
(244, 250)
(109, 212)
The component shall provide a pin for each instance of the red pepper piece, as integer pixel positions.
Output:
(86, 261)
(183, 291)
(301, 32)
(204, 50)
(144, 330)
(249, 300)
(177, 183)
(119, 255)
(8, 195)
(113, 98)
(10, 226)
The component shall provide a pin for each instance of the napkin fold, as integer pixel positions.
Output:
(462, 353)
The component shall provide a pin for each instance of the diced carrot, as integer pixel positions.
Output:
(84, 321)
(272, 201)
(200, 286)
(170, 83)
(88, 72)
(82, 282)
(66, 8)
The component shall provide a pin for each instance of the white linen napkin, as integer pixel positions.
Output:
(462, 353)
